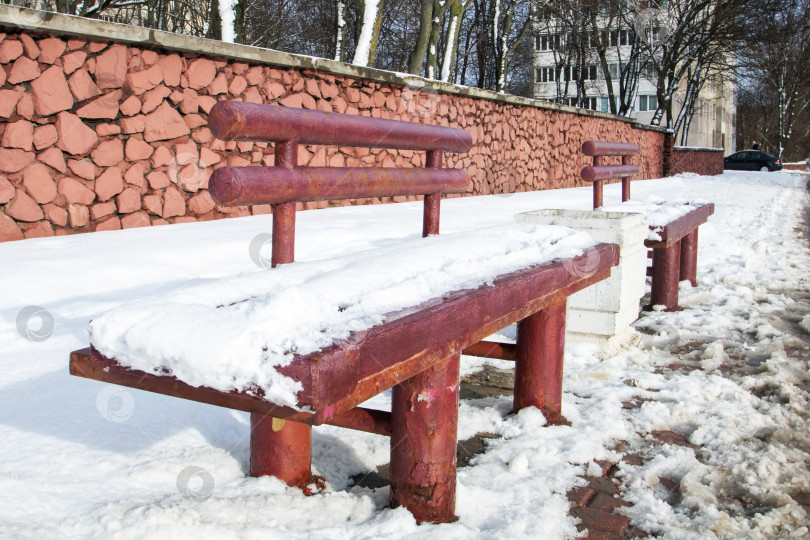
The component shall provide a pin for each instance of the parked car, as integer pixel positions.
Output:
(752, 160)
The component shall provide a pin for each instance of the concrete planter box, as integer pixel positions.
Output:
(603, 312)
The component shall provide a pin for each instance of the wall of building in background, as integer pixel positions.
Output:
(714, 119)
(104, 126)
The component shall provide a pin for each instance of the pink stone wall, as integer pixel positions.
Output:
(700, 161)
(97, 136)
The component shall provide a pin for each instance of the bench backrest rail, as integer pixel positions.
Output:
(599, 172)
(286, 183)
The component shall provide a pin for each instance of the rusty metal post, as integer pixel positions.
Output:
(688, 269)
(430, 218)
(278, 448)
(284, 213)
(597, 185)
(424, 421)
(666, 275)
(539, 367)
(626, 181)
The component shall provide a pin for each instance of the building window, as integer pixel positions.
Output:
(618, 37)
(574, 73)
(545, 74)
(584, 103)
(605, 104)
(647, 103)
(546, 42)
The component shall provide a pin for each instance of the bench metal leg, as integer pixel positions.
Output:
(281, 449)
(424, 421)
(666, 275)
(539, 363)
(689, 245)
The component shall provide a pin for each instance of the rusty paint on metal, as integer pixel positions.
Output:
(608, 172)
(432, 203)
(231, 186)
(688, 269)
(424, 423)
(601, 148)
(283, 234)
(281, 449)
(539, 366)
(361, 419)
(238, 121)
(666, 274)
(492, 349)
(277, 447)
(626, 181)
(599, 172)
(598, 191)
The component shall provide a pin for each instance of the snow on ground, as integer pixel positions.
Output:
(83, 459)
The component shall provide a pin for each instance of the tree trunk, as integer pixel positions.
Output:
(214, 21)
(340, 32)
(425, 27)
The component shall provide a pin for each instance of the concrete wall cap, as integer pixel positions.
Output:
(70, 25)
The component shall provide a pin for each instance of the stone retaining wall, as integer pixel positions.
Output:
(705, 161)
(99, 133)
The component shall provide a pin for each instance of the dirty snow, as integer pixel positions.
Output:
(87, 460)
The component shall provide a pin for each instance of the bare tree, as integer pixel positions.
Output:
(775, 62)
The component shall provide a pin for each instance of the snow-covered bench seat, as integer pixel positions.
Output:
(673, 237)
(307, 342)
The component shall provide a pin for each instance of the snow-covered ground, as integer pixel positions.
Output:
(80, 458)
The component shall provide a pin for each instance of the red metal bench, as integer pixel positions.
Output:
(674, 253)
(415, 352)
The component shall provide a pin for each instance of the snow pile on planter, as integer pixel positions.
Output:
(657, 212)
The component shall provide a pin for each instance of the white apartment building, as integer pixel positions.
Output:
(714, 118)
